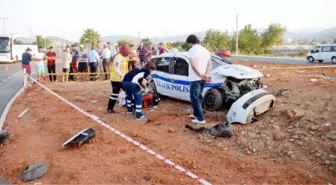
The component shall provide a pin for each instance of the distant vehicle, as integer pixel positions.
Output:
(12, 47)
(223, 53)
(229, 82)
(322, 52)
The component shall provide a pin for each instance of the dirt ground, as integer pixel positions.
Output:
(288, 145)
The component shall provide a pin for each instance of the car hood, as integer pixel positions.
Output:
(237, 71)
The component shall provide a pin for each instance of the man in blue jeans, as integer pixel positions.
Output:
(201, 64)
(93, 62)
(133, 83)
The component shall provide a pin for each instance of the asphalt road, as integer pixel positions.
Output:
(10, 82)
(274, 60)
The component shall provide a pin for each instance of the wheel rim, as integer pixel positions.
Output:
(310, 59)
(333, 60)
(210, 100)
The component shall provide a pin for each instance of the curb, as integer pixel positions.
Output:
(9, 104)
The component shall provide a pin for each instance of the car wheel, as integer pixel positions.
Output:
(152, 87)
(333, 60)
(310, 59)
(213, 100)
(320, 61)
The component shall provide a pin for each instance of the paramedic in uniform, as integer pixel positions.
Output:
(134, 83)
(201, 64)
(118, 70)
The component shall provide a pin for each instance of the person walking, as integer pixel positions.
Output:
(118, 70)
(73, 68)
(67, 58)
(82, 60)
(93, 63)
(26, 59)
(134, 83)
(201, 65)
(142, 52)
(106, 60)
(51, 63)
(40, 69)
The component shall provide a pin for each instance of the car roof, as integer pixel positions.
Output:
(172, 54)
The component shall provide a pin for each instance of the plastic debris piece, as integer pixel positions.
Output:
(34, 171)
(23, 113)
(313, 80)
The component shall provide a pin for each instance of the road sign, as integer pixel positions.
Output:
(169, 46)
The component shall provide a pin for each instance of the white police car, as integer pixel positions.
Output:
(229, 82)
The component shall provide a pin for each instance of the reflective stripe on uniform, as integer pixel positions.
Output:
(138, 106)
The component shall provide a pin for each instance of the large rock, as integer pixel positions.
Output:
(34, 171)
(3, 181)
(279, 136)
(331, 135)
(293, 114)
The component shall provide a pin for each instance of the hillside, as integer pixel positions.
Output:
(58, 42)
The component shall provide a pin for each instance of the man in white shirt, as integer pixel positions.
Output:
(201, 64)
(40, 69)
(106, 61)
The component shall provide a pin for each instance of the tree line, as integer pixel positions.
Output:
(250, 41)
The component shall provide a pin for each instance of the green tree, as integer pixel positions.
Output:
(42, 42)
(273, 36)
(215, 39)
(249, 41)
(128, 42)
(89, 36)
(334, 41)
(181, 46)
(146, 42)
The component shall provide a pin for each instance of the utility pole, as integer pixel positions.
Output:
(3, 23)
(237, 52)
(139, 37)
(31, 32)
(165, 33)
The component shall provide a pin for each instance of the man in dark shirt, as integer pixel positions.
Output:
(133, 83)
(26, 59)
(142, 52)
(73, 67)
(51, 61)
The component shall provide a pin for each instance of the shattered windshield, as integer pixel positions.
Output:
(4, 44)
(219, 61)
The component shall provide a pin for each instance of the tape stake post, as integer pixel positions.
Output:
(141, 146)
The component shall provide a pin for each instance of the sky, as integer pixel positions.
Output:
(68, 18)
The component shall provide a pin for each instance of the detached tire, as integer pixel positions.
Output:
(213, 100)
(310, 59)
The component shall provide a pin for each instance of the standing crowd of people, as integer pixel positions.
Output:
(129, 70)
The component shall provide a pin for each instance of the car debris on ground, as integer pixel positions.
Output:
(3, 136)
(23, 113)
(219, 130)
(34, 171)
(81, 137)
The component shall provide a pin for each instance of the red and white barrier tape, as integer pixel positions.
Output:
(143, 147)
